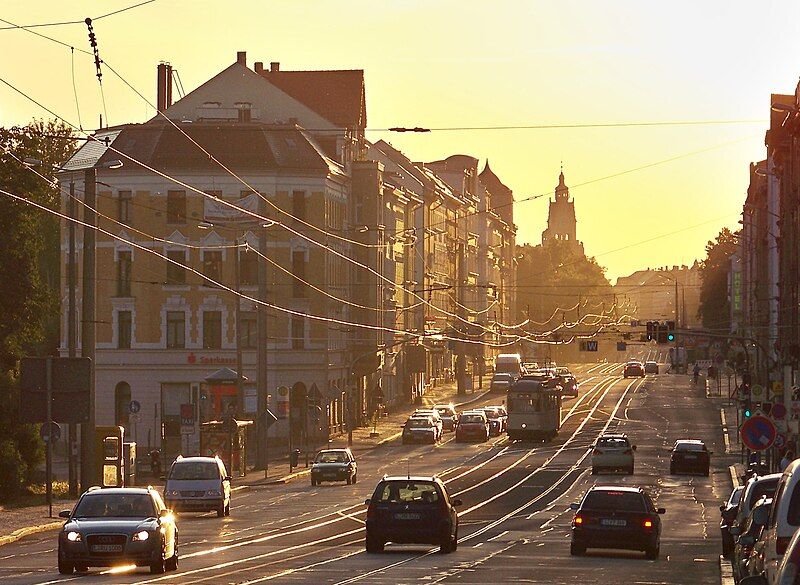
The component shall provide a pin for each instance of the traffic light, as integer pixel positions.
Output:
(747, 409)
(661, 332)
(651, 330)
(670, 331)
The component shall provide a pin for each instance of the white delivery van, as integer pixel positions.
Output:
(509, 363)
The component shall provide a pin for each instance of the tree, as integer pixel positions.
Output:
(714, 309)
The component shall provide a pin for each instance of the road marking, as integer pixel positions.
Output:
(501, 535)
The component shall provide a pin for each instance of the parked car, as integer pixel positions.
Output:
(198, 484)
(651, 367)
(611, 452)
(334, 465)
(746, 536)
(728, 512)
(449, 416)
(472, 426)
(434, 414)
(633, 369)
(690, 456)
(754, 489)
(411, 510)
(115, 526)
(498, 420)
(501, 382)
(784, 520)
(420, 429)
(618, 518)
(788, 572)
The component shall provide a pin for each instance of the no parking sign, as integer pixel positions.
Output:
(758, 433)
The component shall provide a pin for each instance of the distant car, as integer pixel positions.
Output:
(651, 367)
(529, 367)
(198, 484)
(472, 426)
(613, 452)
(618, 518)
(334, 465)
(690, 456)
(633, 369)
(728, 512)
(501, 382)
(420, 429)
(498, 419)
(411, 510)
(568, 382)
(434, 414)
(449, 416)
(117, 526)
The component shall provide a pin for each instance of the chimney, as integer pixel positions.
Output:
(163, 86)
(274, 66)
(241, 58)
(258, 66)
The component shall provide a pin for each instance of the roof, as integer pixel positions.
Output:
(338, 96)
(196, 459)
(120, 490)
(409, 478)
(616, 488)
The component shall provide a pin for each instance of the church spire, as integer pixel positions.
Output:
(562, 190)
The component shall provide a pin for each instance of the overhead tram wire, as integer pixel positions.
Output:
(68, 22)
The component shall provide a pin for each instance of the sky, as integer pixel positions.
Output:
(472, 63)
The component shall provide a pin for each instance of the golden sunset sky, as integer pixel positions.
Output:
(465, 63)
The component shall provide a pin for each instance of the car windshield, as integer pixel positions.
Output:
(408, 492)
(492, 414)
(444, 411)
(502, 377)
(419, 423)
(764, 487)
(690, 447)
(612, 442)
(332, 457)
(102, 505)
(612, 500)
(186, 470)
(471, 418)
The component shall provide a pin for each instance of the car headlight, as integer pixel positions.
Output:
(214, 493)
(74, 536)
(141, 536)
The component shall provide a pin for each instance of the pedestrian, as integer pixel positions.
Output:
(696, 372)
(788, 457)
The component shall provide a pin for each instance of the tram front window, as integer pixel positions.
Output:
(523, 403)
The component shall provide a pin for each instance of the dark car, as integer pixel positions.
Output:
(420, 429)
(334, 465)
(728, 512)
(633, 369)
(498, 420)
(411, 510)
(449, 416)
(472, 426)
(118, 526)
(690, 456)
(651, 367)
(746, 537)
(618, 518)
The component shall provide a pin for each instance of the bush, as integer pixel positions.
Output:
(12, 470)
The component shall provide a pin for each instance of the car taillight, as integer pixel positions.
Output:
(577, 521)
(781, 544)
(648, 523)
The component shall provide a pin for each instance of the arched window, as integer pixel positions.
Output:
(122, 401)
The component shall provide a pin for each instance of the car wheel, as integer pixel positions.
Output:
(81, 569)
(577, 550)
(594, 471)
(172, 562)
(65, 568)
(221, 511)
(652, 552)
(706, 472)
(373, 546)
(349, 480)
(313, 482)
(672, 470)
(159, 566)
(446, 547)
(630, 470)
(355, 477)
(228, 508)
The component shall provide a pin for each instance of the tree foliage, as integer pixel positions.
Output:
(714, 309)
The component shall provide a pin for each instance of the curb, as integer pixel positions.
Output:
(734, 476)
(28, 531)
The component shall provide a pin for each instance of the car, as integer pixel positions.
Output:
(114, 526)
(411, 510)
(754, 489)
(334, 465)
(434, 414)
(449, 416)
(784, 519)
(420, 429)
(747, 536)
(728, 512)
(690, 456)
(633, 369)
(498, 420)
(613, 452)
(651, 367)
(788, 572)
(568, 382)
(501, 382)
(198, 484)
(472, 425)
(616, 517)
(529, 367)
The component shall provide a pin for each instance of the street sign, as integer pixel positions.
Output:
(758, 433)
(54, 431)
(134, 407)
(780, 440)
(778, 411)
(622, 346)
(757, 392)
(187, 419)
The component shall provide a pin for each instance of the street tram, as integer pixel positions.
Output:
(534, 408)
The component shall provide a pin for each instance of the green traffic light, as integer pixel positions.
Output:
(671, 337)
(747, 413)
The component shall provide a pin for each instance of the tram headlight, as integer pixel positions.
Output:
(524, 426)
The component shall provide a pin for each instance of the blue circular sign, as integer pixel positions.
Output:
(134, 407)
(758, 433)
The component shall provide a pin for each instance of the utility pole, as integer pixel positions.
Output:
(261, 325)
(677, 359)
(461, 358)
(72, 336)
(88, 311)
(238, 317)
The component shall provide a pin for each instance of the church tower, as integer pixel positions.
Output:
(561, 222)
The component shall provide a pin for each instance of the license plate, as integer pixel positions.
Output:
(613, 522)
(106, 548)
(406, 516)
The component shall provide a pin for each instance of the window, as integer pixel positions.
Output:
(212, 330)
(299, 272)
(176, 329)
(124, 274)
(176, 274)
(298, 333)
(248, 267)
(176, 206)
(124, 207)
(249, 327)
(299, 204)
(212, 266)
(124, 326)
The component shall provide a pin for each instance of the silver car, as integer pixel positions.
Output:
(612, 452)
(501, 382)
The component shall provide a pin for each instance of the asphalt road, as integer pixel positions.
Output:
(514, 524)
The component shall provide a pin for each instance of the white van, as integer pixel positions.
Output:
(198, 484)
(509, 363)
(784, 520)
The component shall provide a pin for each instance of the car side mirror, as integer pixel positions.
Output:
(662, 510)
(457, 502)
(64, 513)
(747, 540)
(367, 502)
(574, 506)
(753, 580)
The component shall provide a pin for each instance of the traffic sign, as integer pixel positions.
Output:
(757, 392)
(134, 407)
(268, 418)
(780, 440)
(778, 411)
(758, 433)
(54, 431)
